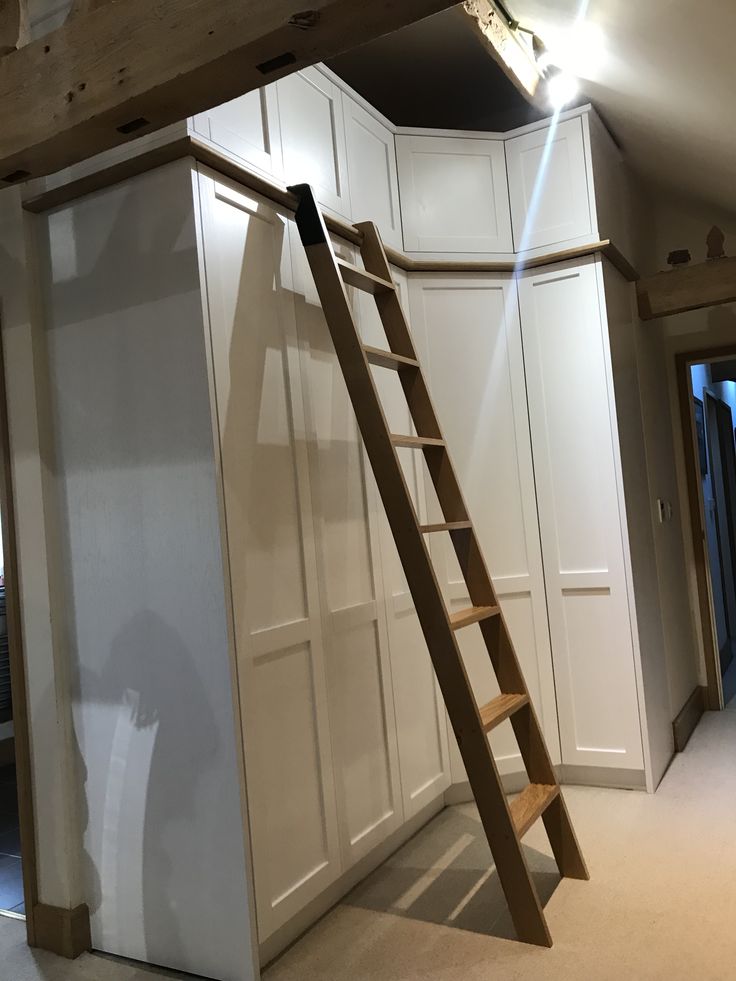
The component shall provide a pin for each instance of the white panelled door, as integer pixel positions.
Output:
(467, 327)
(454, 196)
(272, 552)
(374, 185)
(420, 713)
(549, 186)
(575, 442)
(361, 706)
(313, 137)
(247, 127)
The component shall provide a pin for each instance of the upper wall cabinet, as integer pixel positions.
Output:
(313, 137)
(454, 196)
(548, 186)
(374, 187)
(247, 127)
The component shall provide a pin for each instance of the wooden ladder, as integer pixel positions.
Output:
(504, 823)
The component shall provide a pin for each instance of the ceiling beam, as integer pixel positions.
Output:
(505, 44)
(706, 284)
(119, 69)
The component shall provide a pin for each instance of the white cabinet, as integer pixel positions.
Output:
(273, 560)
(246, 128)
(313, 137)
(551, 202)
(344, 735)
(454, 196)
(577, 467)
(467, 327)
(374, 187)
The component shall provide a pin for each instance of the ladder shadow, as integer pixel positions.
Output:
(445, 875)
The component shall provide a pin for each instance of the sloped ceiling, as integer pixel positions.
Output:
(662, 74)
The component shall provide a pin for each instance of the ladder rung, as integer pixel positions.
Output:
(473, 614)
(446, 526)
(500, 708)
(363, 280)
(416, 442)
(531, 804)
(387, 359)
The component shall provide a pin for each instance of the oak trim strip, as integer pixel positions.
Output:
(65, 932)
(689, 716)
(202, 152)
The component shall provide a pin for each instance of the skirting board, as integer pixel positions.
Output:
(688, 717)
(62, 931)
(581, 776)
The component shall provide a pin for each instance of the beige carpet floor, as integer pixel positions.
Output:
(661, 903)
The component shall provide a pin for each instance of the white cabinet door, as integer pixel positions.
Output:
(272, 554)
(574, 440)
(361, 707)
(454, 196)
(313, 137)
(467, 326)
(548, 186)
(374, 187)
(420, 713)
(248, 128)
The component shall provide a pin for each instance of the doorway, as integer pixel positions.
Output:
(708, 402)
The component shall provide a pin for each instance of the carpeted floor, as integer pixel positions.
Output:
(659, 904)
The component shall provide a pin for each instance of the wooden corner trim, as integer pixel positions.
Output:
(62, 931)
(688, 717)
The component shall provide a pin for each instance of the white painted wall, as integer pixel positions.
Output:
(154, 751)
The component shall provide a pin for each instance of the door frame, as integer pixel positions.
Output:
(683, 362)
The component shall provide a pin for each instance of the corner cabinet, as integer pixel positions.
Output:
(582, 518)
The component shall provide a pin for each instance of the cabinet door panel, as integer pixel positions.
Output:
(420, 715)
(574, 442)
(374, 188)
(247, 127)
(454, 195)
(468, 326)
(272, 555)
(548, 186)
(361, 706)
(313, 136)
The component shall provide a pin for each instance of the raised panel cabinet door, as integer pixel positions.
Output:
(359, 693)
(467, 326)
(272, 555)
(454, 196)
(549, 186)
(374, 186)
(248, 128)
(574, 441)
(420, 715)
(313, 137)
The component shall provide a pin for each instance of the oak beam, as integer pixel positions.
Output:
(127, 67)
(684, 288)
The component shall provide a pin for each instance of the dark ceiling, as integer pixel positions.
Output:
(435, 73)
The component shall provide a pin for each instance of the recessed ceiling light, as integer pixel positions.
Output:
(562, 89)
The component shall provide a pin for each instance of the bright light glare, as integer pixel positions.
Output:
(579, 50)
(561, 90)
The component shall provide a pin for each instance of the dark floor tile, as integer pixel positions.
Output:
(10, 842)
(11, 882)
